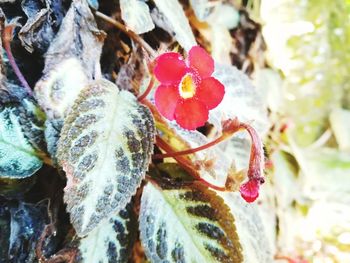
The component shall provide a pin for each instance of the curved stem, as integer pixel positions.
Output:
(256, 161)
(148, 90)
(6, 39)
(187, 165)
(192, 150)
(131, 34)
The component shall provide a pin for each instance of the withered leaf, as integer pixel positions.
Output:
(188, 224)
(105, 148)
(136, 15)
(40, 28)
(72, 61)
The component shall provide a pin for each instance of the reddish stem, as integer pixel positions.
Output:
(189, 151)
(147, 91)
(186, 164)
(6, 39)
(255, 170)
(256, 160)
(230, 127)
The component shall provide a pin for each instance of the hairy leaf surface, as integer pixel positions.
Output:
(188, 224)
(105, 148)
(241, 100)
(21, 139)
(253, 234)
(110, 242)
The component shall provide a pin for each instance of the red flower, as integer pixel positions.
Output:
(250, 190)
(187, 91)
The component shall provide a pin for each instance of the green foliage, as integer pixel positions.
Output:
(21, 139)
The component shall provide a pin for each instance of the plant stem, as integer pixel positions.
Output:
(187, 165)
(6, 39)
(148, 90)
(131, 34)
(256, 161)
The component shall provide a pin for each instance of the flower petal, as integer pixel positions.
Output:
(200, 60)
(191, 114)
(170, 68)
(250, 190)
(211, 92)
(166, 98)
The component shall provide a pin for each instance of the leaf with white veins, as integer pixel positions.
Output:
(111, 241)
(105, 148)
(187, 224)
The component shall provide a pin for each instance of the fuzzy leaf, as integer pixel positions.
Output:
(105, 148)
(188, 224)
(72, 60)
(112, 241)
(252, 232)
(21, 138)
(241, 100)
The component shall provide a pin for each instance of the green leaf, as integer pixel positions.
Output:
(111, 241)
(188, 224)
(21, 139)
(105, 148)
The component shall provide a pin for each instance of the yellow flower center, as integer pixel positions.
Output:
(187, 87)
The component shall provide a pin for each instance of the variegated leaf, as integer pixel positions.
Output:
(21, 139)
(187, 224)
(254, 237)
(105, 148)
(111, 241)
